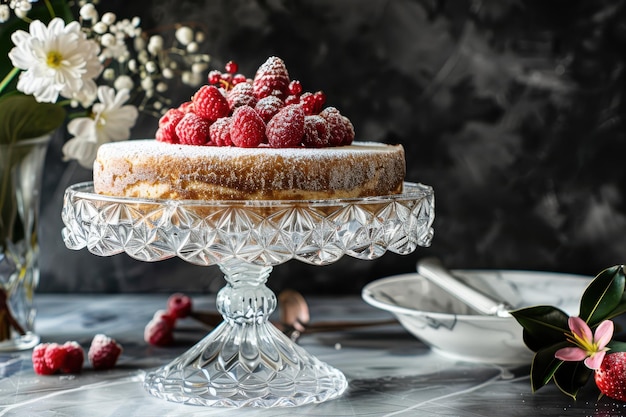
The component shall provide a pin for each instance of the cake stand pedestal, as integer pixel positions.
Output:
(246, 361)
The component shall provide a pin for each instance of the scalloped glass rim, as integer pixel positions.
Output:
(411, 190)
(261, 232)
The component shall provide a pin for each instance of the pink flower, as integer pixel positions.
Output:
(589, 347)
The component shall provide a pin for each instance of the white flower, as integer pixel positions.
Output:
(57, 59)
(5, 13)
(112, 121)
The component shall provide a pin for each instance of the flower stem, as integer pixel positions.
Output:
(50, 8)
(8, 78)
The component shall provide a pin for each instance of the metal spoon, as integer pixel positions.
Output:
(294, 318)
(433, 270)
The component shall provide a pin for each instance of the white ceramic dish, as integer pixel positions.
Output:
(451, 328)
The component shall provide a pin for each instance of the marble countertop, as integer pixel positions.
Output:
(389, 372)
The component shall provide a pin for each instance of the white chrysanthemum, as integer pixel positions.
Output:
(57, 59)
(112, 121)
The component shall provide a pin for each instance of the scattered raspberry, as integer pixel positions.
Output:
(271, 78)
(159, 332)
(220, 132)
(179, 305)
(336, 125)
(103, 352)
(247, 129)
(74, 358)
(316, 132)
(54, 356)
(39, 361)
(611, 376)
(209, 103)
(268, 106)
(286, 128)
(193, 130)
(167, 126)
(50, 358)
(242, 94)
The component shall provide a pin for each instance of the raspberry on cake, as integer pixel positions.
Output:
(239, 139)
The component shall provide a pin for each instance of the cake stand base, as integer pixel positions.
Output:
(246, 361)
(246, 366)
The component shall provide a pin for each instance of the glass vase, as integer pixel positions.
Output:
(21, 168)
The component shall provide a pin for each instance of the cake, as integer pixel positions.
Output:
(250, 139)
(152, 169)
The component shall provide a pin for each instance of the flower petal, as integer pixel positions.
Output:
(570, 354)
(580, 328)
(604, 333)
(594, 361)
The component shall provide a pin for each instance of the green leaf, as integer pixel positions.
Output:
(616, 346)
(570, 377)
(545, 365)
(22, 117)
(603, 295)
(543, 326)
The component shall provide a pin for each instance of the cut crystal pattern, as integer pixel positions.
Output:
(246, 361)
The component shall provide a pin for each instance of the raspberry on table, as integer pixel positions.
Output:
(286, 128)
(179, 305)
(209, 103)
(247, 129)
(159, 332)
(39, 361)
(103, 352)
(219, 132)
(193, 130)
(74, 358)
(54, 356)
(316, 132)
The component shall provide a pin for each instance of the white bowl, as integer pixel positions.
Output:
(452, 329)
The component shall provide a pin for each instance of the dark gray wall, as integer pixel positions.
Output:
(513, 111)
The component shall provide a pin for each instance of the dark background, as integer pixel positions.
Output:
(512, 110)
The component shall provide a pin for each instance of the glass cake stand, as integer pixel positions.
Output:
(246, 361)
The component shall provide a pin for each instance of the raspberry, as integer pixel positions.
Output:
(159, 331)
(291, 99)
(39, 362)
(179, 305)
(209, 103)
(241, 94)
(316, 132)
(271, 78)
(103, 352)
(74, 358)
(295, 88)
(337, 126)
(286, 128)
(167, 126)
(193, 130)
(231, 67)
(186, 107)
(309, 103)
(54, 356)
(220, 132)
(247, 129)
(268, 106)
(347, 140)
